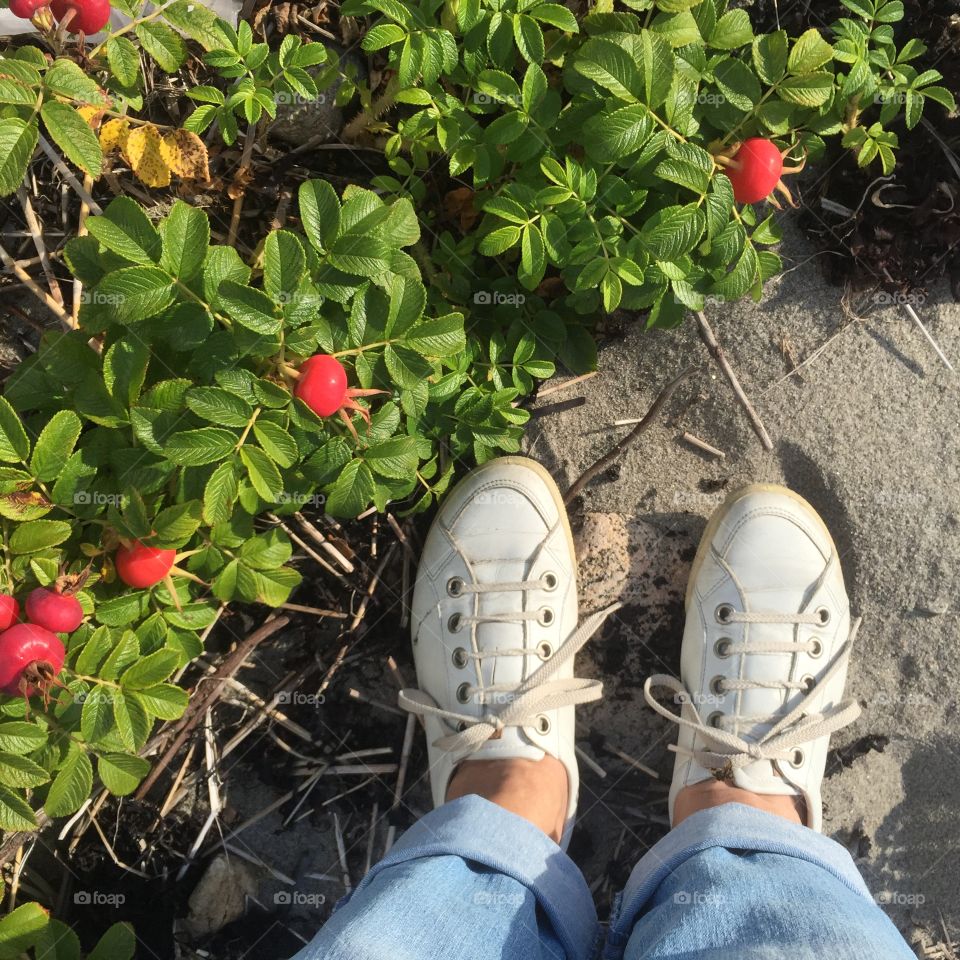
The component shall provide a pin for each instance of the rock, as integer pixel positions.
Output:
(932, 604)
(220, 897)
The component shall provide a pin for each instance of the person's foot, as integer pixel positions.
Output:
(494, 627)
(764, 659)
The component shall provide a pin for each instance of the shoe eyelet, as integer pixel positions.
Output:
(714, 719)
(716, 686)
(453, 623)
(463, 693)
(823, 615)
(817, 650)
(545, 616)
(723, 613)
(809, 682)
(550, 580)
(722, 647)
(461, 726)
(544, 650)
(455, 587)
(543, 724)
(460, 658)
(797, 759)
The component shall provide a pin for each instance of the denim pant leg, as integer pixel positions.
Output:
(469, 881)
(735, 883)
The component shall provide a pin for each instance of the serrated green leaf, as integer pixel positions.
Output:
(121, 774)
(14, 444)
(72, 134)
(352, 491)
(72, 784)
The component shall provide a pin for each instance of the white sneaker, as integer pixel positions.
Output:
(765, 651)
(494, 626)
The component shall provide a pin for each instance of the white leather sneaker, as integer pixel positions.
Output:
(765, 650)
(494, 626)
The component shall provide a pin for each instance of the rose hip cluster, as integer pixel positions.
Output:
(31, 652)
(77, 16)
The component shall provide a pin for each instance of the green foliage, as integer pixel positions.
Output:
(28, 932)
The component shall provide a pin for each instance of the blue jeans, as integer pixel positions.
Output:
(471, 881)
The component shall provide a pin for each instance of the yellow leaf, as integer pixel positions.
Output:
(143, 154)
(185, 154)
(113, 134)
(93, 115)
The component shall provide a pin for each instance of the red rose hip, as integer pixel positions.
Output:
(322, 385)
(755, 170)
(9, 611)
(54, 611)
(30, 656)
(25, 9)
(90, 16)
(141, 566)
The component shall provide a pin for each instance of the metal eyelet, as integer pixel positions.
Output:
(714, 719)
(823, 615)
(817, 650)
(549, 580)
(716, 686)
(809, 682)
(461, 726)
(545, 617)
(453, 623)
(723, 613)
(722, 647)
(460, 658)
(455, 587)
(543, 724)
(797, 759)
(463, 693)
(544, 650)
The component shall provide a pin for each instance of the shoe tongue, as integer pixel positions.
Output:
(499, 635)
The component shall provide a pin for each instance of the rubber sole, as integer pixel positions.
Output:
(720, 514)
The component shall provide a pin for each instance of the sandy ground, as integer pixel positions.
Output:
(868, 433)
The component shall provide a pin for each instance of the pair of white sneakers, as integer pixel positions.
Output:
(763, 662)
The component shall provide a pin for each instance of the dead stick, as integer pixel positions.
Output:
(65, 319)
(204, 699)
(610, 457)
(716, 351)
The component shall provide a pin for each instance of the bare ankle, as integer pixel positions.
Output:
(536, 790)
(713, 793)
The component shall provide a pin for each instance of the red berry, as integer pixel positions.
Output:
(91, 16)
(142, 566)
(54, 611)
(9, 611)
(25, 9)
(323, 384)
(756, 170)
(28, 654)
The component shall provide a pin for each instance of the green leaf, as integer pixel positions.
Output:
(96, 719)
(125, 229)
(673, 231)
(18, 140)
(733, 30)
(441, 337)
(72, 784)
(808, 90)
(134, 294)
(124, 60)
(163, 44)
(497, 241)
(264, 474)
(164, 701)
(16, 771)
(220, 494)
(39, 535)
(283, 265)
(18, 736)
(185, 236)
(121, 774)
(614, 136)
(397, 458)
(219, 406)
(15, 814)
(133, 724)
(556, 15)
(276, 442)
(319, 212)
(175, 525)
(610, 66)
(364, 255)
(770, 56)
(352, 492)
(528, 37)
(406, 368)
(21, 928)
(125, 369)
(73, 135)
(249, 307)
(267, 551)
(150, 670)
(809, 52)
(55, 445)
(14, 445)
(192, 448)
(67, 79)
(118, 943)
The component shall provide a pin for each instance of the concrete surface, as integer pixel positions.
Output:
(869, 435)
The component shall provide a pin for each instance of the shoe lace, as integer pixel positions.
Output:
(728, 750)
(541, 692)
